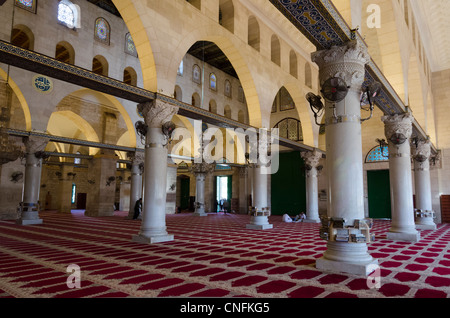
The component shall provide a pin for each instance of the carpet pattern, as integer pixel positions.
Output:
(213, 256)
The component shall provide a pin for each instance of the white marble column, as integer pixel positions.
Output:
(137, 162)
(424, 206)
(260, 216)
(29, 207)
(153, 226)
(346, 229)
(200, 171)
(398, 130)
(243, 190)
(312, 160)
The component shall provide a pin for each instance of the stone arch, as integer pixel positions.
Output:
(226, 14)
(253, 37)
(130, 14)
(22, 100)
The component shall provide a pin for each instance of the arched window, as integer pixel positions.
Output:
(130, 48)
(212, 106)
(102, 31)
(275, 53)
(241, 116)
(378, 155)
(226, 14)
(213, 81)
(178, 93)
(227, 89)
(29, 5)
(227, 112)
(290, 128)
(130, 76)
(23, 37)
(293, 64)
(180, 68)
(68, 14)
(100, 65)
(253, 33)
(196, 101)
(65, 53)
(196, 74)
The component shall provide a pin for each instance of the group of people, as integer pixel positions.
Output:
(223, 205)
(298, 218)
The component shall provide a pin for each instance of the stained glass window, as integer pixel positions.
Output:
(180, 68)
(66, 14)
(29, 5)
(213, 81)
(227, 88)
(102, 30)
(378, 155)
(130, 48)
(196, 74)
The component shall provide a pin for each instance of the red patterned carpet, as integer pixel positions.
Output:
(213, 256)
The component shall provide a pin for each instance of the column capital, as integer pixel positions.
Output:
(422, 152)
(346, 61)
(312, 158)
(136, 157)
(156, 112)
(203, 167)
(398, 127)
(35, 144)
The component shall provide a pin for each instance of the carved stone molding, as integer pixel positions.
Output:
(398, 124)
(136, 157)
(346, 61)
(156, 112)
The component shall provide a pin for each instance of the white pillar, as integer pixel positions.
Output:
(398, 130)
(260, 217)
(243, 194)
(346, 229)
(137, 158)
(424, 206)
(29, 207)
(312, 160)
(153, 225)
(200, 171)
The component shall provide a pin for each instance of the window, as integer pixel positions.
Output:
(227, 89)
(241, 96)
(130, 48)
(66, 14)
(213, 81)
(29, 5)
(180, 68)
(196, 74)
(290, 128)
(77, 161)
(378, 155)
(73, 195)
(102, 31)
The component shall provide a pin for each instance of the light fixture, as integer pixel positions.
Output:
(141, 129)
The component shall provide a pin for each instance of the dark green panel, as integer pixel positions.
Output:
(378, 187)
(288, 188)
(184, 202)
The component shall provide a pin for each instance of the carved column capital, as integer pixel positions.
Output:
(35, 144)
(203, 167)
(422, 152)
(156, 112)
(136, 157)
(346, 61)
(398, 127)
(312, 158)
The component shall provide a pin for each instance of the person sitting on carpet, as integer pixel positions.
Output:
(287, 218)
(137, 209)
(300, 217)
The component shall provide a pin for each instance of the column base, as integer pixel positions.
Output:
(29, 222)
(426, 227)
(259, 226)
(311, 221)
(398, 236)
(153, 239)
(344, 267)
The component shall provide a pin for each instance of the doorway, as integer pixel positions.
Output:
(184, 192)
(378, 188)
(223, 193)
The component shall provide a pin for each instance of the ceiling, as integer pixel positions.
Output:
(434, 24)
(107, 5)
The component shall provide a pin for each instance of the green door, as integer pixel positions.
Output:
(379, 194)
(184, 202)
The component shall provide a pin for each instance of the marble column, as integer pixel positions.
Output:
(424, 206)
(29, 207)
(398, 130)
(65, 189)
(345, 228)
(137, 165)
(260, 215)
(153, 226)
(200, 171)
(243, 193)
(312, 160)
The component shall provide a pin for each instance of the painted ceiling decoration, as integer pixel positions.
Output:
(321, 23)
